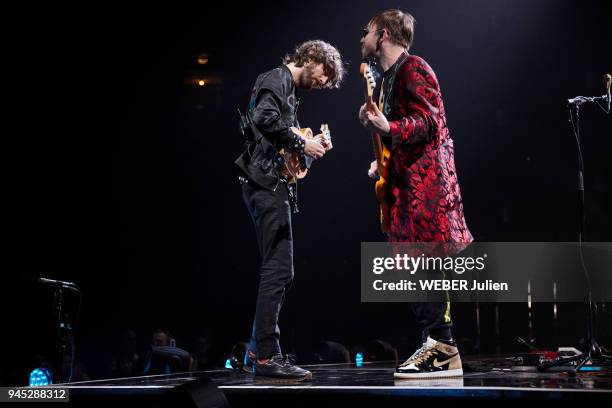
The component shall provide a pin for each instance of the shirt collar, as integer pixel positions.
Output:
(400, 60)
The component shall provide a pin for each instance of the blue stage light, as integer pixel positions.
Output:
(40, 377)
(590, 368)
(359, 359)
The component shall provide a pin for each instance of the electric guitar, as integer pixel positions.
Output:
(382, 154)
(296, 169)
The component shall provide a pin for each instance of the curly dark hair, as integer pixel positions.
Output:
(320, 52)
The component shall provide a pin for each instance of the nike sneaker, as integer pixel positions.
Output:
(436, 359)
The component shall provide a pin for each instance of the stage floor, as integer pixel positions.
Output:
(484, 379)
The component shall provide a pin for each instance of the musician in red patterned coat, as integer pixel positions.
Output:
(426, 203)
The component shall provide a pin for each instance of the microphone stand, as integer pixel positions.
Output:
(595, 353)
(63, 327)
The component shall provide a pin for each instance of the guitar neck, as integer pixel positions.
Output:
(376, 141)
(368, 90)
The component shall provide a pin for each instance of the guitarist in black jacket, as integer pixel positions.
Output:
(268, 196)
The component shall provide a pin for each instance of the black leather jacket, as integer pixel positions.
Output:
(271, 112)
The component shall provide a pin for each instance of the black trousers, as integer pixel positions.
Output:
(434, 320)
(271, 214)
(434, 316)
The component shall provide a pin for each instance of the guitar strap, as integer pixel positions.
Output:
(380, 95)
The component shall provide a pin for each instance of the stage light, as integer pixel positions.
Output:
(228, 364)
(203, 59)
(359, 359)
(40, 377)
(204, 80)
(590, 368)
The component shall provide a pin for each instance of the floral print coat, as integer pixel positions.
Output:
(426, 199)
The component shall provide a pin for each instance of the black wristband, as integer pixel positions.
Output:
(297, 144)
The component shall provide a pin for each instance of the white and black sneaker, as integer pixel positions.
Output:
(436, 359)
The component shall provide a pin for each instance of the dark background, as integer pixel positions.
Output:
(125, 184)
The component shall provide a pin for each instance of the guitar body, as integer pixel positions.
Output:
(296, 169)
(383, 158)
(382, 188)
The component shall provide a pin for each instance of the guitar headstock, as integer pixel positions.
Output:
(325, 131)
(369, 83)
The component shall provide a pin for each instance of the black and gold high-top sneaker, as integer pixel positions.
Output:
(436, 359)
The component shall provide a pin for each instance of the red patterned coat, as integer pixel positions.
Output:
(427, 203)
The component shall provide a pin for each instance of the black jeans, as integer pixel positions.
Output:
(271, 214)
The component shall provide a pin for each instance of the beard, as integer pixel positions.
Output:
(306, 78)
(367, 52)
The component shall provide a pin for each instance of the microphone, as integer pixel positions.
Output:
(579, 100)
(63, 284)
(607, 82)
